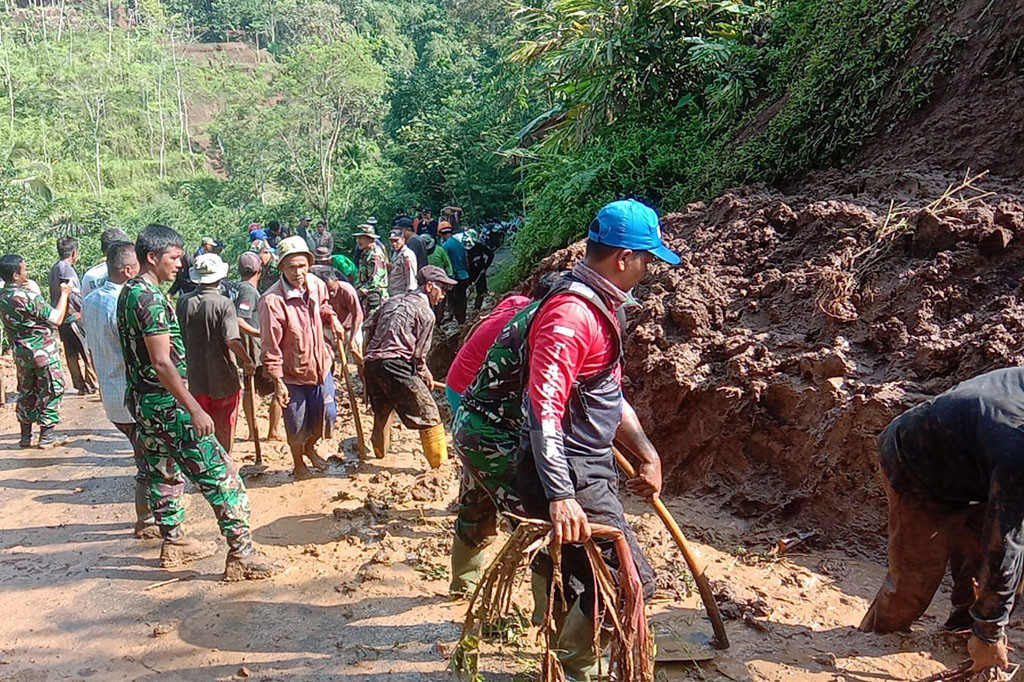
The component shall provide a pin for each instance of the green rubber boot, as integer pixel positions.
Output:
(539, 588)
(467, 568)
(576, 648)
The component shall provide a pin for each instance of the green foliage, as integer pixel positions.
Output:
(549, 108)
(601, 59)
(825, 77)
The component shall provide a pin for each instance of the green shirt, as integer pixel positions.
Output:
(143, 310)
(25, 316)
(440, 258)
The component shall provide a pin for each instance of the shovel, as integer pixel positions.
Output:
(249, 406)
(692, 560)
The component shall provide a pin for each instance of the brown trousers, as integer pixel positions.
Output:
(922, 542)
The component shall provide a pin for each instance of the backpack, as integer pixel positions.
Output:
(497, 390)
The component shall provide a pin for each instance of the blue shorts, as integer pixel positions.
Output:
(308, 406)
(454, 399)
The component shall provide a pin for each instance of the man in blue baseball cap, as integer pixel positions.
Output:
(565, 470)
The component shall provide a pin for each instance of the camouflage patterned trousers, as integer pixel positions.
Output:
(488, 457)
(174, 453)
(40, 389)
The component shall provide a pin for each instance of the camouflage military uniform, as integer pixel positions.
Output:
(486, 433)
(372, 279)
(268, 276)
(25, 316)
(173, 450)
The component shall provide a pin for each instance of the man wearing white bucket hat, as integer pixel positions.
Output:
(209, 329)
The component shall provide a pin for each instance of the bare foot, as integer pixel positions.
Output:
(316, 460)
(275, 436)
(302, 473)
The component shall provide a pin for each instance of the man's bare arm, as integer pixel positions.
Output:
(647, 482)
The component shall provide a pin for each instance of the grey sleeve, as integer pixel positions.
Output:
(549, 456)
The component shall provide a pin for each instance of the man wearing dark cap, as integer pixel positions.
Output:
(426, 224)
(398, 337)
(321, 262)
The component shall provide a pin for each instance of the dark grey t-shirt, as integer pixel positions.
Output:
(63, 270)
(246, 305)
(208, 321)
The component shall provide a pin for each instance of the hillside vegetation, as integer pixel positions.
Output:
(208, 116)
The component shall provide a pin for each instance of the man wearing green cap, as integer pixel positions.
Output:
(566, 470)
(292, 316)
(372, 279)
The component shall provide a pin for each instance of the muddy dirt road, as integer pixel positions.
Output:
(364, 595)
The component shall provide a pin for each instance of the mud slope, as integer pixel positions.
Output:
(750, 389)
(975, 113)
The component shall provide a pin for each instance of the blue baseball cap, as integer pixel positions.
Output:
(629, 224)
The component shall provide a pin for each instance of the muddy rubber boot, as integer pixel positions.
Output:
(467, 569)
(46, 437)
(539, 589)
(26, 436)
(959, 621)
(576, 648)
(179, 549)
(245, 563)
(145, 524)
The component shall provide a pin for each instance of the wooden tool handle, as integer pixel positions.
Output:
(692, 560)
(341, 342)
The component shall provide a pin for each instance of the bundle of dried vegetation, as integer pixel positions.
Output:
(620, 612)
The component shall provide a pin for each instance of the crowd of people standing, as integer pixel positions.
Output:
(172, 377)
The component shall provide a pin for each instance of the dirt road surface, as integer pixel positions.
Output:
(364, 594)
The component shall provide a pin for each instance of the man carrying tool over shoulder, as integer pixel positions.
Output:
(574, 410)
(953, 470)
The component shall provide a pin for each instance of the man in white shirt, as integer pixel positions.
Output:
(402, 275)
(95, 276)
(99, 318)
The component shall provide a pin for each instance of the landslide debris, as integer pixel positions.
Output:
(797, 326)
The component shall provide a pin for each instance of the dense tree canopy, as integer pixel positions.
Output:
(210, 114)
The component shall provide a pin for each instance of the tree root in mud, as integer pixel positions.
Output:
(840, 281)
(621, 607)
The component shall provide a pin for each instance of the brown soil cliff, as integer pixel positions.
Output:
(796, 327)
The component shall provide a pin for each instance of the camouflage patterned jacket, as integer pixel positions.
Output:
(25, 316)
(143, 310)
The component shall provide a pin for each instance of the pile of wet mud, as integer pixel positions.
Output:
(798, 325)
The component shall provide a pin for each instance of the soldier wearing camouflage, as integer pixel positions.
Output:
(173, 450)
(26, 319)
(486, 430)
